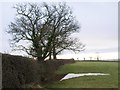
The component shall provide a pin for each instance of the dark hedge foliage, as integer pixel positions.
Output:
(53, 65)
(18, 71)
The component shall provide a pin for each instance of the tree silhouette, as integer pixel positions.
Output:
(46, 27)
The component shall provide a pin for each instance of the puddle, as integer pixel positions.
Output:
(72, 75)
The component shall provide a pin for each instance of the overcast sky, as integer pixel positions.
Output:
(98, 21)
(99, 25)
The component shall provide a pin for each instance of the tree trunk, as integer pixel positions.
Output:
(50, 55)
(54, 56)
(54, 53)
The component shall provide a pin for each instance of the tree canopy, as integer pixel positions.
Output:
(47, 27)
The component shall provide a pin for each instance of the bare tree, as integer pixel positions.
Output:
(46, 27)
(64, 24)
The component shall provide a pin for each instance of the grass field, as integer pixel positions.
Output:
(107, 81)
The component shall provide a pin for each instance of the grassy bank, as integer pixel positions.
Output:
(108, 81)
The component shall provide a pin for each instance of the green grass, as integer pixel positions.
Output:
(107, 81)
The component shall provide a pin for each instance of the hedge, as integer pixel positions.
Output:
(18, 71)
